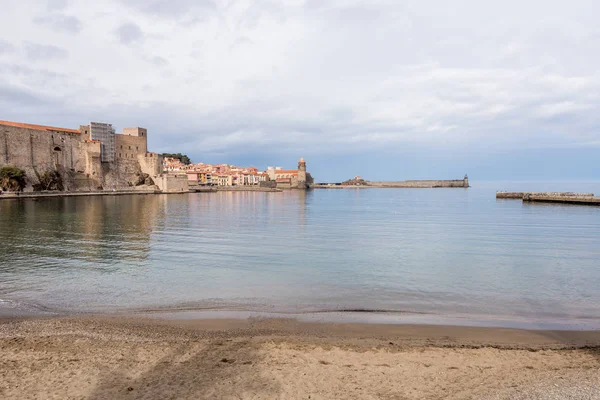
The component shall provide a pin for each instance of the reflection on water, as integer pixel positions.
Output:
(446, 252)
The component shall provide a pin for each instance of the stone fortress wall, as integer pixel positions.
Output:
(77, 156)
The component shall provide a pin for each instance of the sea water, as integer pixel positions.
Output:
(455, 256)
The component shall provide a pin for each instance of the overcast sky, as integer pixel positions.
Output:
(387, 89)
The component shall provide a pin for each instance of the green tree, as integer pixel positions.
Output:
(181, 157)
(309, 179)
(51, 180)
(12, 178)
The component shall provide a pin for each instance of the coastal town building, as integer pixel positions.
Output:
(171, 164)
(92, 157)
(202, 174)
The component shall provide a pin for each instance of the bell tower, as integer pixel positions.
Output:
(302, 174)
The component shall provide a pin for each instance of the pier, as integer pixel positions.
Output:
(587, 199)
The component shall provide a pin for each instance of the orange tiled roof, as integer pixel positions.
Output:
(37, 127)
(286, 171)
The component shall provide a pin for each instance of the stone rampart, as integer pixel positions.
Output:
(39, 149)
(151, 163)
(172, 183)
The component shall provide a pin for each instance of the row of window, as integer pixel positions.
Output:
(136, 147)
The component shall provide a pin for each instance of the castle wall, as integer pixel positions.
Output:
(151, 164)
(173, 183)
(37, 151)
(76, 157)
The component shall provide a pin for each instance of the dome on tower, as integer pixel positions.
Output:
(302, 159)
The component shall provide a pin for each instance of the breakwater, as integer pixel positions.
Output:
(552, 197)
(411, 184)
(521, 195)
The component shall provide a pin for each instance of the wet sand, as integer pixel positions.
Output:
(113, 358)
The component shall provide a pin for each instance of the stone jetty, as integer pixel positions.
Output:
(552, 197)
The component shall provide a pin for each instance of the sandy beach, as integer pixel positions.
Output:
(113, 358)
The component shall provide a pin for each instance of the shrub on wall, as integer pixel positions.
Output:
(51, 180)
(12, 179)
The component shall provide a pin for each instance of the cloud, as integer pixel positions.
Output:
(35, 51)
(20, 96)
(157, 61)
(60, 22)
(6, 47)
(129, 33)
(335, 77)
(172, 8)
(57, 5)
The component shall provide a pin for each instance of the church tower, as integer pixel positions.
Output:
(302, 174)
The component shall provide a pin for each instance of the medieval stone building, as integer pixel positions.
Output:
(92, 157)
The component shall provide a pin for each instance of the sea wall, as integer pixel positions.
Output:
(172, 183)
(151, 163)
(581, 200)
(455, 183)
(522, 195)
(422, 184)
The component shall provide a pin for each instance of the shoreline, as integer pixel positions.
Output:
(39, 195)
(13, 308)
(411, 335)
(119, 357)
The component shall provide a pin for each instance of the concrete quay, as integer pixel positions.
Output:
(521, 195)
(587, 199)
(580, 200)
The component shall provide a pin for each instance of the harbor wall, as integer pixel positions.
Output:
(172, 183)
(411, 184)
(455, 183)
(523, 195)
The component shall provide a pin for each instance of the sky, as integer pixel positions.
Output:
(385, 89)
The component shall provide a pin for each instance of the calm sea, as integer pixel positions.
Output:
(455, 256)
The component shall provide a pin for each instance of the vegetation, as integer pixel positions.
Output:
(50, 180)
(309, 179)
(12, 179)
(181, 157)
(357, 181)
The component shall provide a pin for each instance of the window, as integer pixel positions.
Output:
(119, 155)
